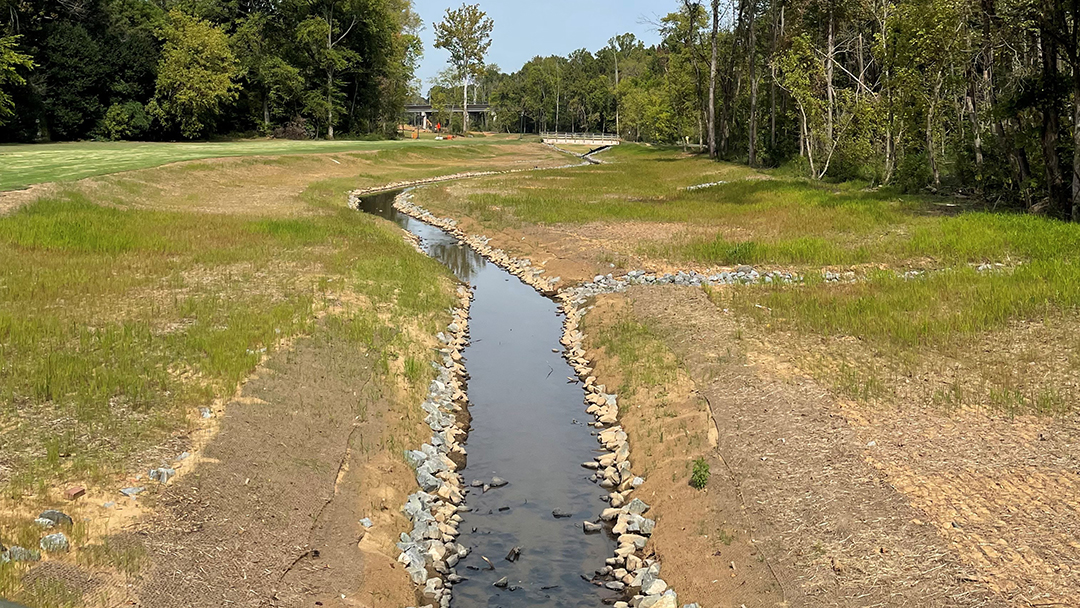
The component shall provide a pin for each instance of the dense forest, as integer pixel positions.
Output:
(168, 69)
(978, 97)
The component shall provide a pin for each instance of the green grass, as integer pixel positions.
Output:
(114, 323)
(26, 164)
(775, 221)
(640, 350)
(699, 477)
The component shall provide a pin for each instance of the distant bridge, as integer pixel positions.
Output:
(427, 108)
(581, 139)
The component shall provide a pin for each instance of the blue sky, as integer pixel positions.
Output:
(525, 29)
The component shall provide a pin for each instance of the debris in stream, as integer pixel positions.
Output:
(502, 583)
(561, 514)
(514, 554)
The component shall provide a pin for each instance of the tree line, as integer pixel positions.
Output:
(975, 97)
(167, 69)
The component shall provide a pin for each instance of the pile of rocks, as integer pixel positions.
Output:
(430, 552)
(628, 570)
(743, 275)
(703, 186)
(55, 542)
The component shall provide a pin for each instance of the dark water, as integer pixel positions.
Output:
(526, 430)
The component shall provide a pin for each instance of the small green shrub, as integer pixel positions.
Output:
(700, 476)
(127, 120)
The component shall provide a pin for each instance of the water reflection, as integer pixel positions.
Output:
(460, 258)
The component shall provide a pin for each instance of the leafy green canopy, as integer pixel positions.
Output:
(116, 69)
(196, 76)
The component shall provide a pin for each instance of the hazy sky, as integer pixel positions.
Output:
(525, 29)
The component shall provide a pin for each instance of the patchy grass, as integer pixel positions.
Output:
(638, 349)
(773, 220)
(113, 323)
(127, 301)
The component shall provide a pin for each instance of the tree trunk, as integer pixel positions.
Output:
(329, 105)
(1051, 124)
(930, 145)
(1075, 211)
(751, 51)
(830, 58)
(931, 107)
(729, 92)
(778, 29)
(712, 77)
(976, 129)
(266, 110)
(465, 105)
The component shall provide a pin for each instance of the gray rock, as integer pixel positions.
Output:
(502, 583)
(560, 514)
(41, 522)
(162, 475)
(57, 517)
(497, 482)
(615, 585)
(366, 522)
(19, 554)
(55, 543)
(591, 527)
(651, 574)
(655, 587)
(637, 507)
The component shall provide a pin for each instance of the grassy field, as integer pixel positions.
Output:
(129, 301)
(24, 165)
(777, 222)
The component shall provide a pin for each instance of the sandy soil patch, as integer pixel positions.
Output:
(827, 521)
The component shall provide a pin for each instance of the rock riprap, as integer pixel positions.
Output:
(432, 539)
(430, 552)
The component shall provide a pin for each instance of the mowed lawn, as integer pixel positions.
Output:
(28, 164)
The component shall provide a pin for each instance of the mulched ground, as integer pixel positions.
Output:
(830, 525)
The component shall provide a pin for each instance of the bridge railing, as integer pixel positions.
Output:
(568, 135)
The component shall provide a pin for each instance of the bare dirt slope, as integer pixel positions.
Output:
(271, 516)
(832, 527)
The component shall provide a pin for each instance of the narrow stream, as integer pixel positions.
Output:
(528, 429)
